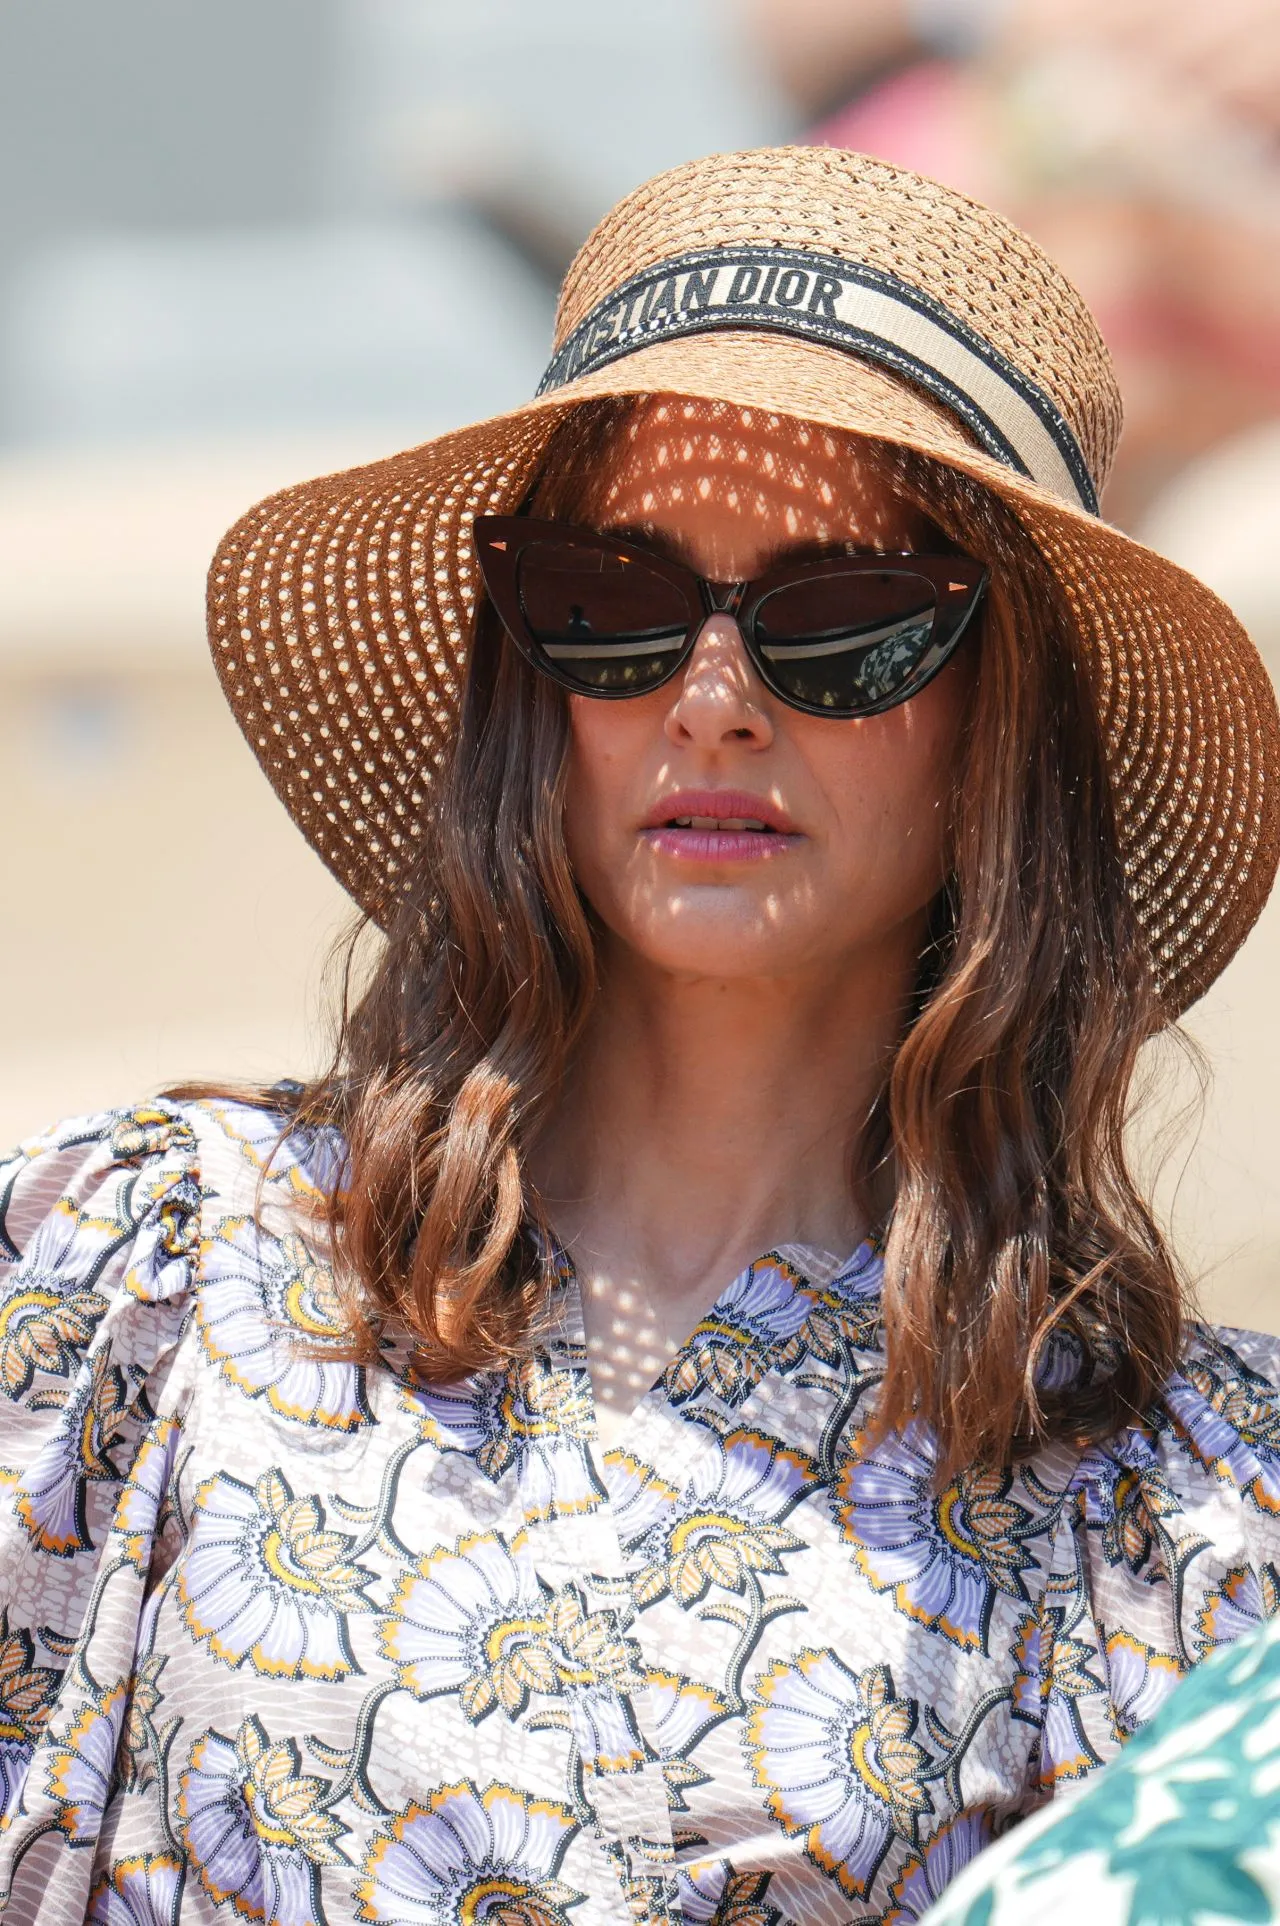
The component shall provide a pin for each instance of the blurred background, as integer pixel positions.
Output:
(232, 243)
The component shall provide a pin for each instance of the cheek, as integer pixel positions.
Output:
(898, 775)
(609, 745)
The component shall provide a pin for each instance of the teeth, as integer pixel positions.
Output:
(723, 822)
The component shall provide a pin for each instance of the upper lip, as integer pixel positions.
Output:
(721, 805)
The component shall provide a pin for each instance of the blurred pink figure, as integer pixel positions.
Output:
(1137, 140)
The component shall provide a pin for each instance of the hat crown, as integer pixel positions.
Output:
(978, 265)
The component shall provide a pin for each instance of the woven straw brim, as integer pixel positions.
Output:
(340, 613)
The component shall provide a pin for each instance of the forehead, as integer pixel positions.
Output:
(691, 468)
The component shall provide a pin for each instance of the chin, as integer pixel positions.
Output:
(693, 945)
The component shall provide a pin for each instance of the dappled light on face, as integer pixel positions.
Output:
(728, 488)
(739, 918)
(865, 804)
(718, 696)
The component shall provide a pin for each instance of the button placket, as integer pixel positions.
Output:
(572, 1538)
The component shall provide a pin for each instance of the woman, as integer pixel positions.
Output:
(691, 1419)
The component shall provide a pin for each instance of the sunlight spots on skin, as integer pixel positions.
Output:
(713, 454)
(627, 1353)
(865, 796)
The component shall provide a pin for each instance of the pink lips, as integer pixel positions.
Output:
(718, 826)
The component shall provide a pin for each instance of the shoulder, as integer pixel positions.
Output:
(256, 1157)
(1165, 1547)
(134, 1191)
(1217, 1419)
(1183, 1505)
(1221, 1410)
(267, 1311)
(94, 1196)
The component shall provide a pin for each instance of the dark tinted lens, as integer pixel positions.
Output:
(607, 623)
(847, 642)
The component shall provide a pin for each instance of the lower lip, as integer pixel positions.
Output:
(719, 845)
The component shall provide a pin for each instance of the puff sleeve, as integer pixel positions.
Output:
(98, 1222)
(1167, 1548)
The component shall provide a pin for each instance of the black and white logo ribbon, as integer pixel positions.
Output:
(846, 305)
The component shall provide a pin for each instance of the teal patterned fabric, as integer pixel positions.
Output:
(292, 1637)
(1183, 1830)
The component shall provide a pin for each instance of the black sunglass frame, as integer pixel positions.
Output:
(958, 581)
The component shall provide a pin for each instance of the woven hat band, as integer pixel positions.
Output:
(844, 304)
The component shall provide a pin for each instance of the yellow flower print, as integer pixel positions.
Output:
(887, 1757)
(263, 1580)
(1065, 1750)
(1031, 1640)
(1248, 1408)
(723, 1527)
(51, 1496)
(945, 1557)
(837, 1755)
(267, 1307)
(718, 1550)
(283, 1801)
(588, 1646)
(925, 1878)
(834, 1323)
(847, 1314)
(469, 1856)
(750, 1325)
(143, 1890)
(81, 1766)
(472, 1620)
(712, 1894)
(1242, 1603)
(1230, 1420)
(44, 1329)
(255, 1826)
(27, 1694)
(137, 1759)
(684, 1711)
(140, 1507)
(1139, 1680)
(1128, 1535)
(535, 1419)
(476, 1621)
(145, 1131)
(305, 1160)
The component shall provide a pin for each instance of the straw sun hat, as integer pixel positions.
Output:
(811, 283)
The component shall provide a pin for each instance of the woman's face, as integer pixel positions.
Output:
(862, 806)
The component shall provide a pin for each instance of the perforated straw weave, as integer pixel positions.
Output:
(340, 610)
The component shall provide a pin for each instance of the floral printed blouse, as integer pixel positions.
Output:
(285, 1637)
(1185, 1830)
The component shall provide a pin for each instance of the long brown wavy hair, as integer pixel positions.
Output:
(1028, 1292)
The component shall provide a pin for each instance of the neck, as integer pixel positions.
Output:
(706, 1120)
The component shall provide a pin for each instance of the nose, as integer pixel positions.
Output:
(720, 698)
